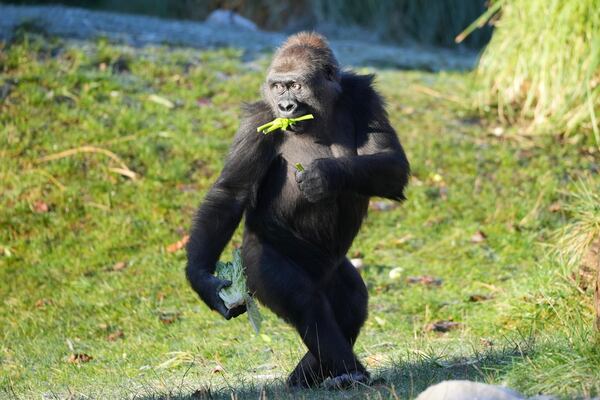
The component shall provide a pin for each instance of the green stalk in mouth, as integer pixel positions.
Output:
(282, 123)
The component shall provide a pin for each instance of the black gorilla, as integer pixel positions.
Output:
(299, 225)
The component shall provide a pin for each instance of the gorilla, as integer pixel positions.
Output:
(299, 225)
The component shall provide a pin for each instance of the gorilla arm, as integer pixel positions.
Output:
(380, 167)
(222, 209)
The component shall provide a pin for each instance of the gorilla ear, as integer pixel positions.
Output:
(331, 73)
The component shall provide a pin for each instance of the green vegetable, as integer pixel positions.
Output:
(282, 123)
(237, 294)
(299, 167)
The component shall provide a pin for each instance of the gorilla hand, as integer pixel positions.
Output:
(316, 182)
(208, 288)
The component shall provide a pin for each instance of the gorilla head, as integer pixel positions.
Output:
(304, 78)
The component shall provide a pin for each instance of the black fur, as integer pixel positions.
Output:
(299, 226)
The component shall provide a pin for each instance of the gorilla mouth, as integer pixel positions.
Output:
(299, 126)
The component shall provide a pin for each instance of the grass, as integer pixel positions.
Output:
(87, 265)
(542, 67)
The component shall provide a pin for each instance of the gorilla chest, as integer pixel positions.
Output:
(304, 149)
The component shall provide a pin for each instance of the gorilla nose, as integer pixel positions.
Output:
(287, 106)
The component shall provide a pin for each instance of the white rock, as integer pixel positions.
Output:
(467, 390)
(230, 18)
(357, 262)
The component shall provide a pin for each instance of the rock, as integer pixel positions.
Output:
(467, 390)
(230, 18)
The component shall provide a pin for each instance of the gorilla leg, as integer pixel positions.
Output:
(347, 295)
(287, 289)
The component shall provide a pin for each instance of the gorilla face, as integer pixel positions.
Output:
(290, 94)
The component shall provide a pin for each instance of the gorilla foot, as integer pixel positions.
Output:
(348, 381)
(303, 381)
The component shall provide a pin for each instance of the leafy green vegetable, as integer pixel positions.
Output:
(282, 123)
(237, 294)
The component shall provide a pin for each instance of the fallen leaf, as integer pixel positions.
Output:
(381, 205)
(442, 326)
(375, 359)
(5, 251)
(403, 240)
(187, 187)
(40, 207)
(180, 244)
(43, 302)
(115, 335)
(437, 178)
(265, 338)
(474, 298)
(218, 369)
(443, 192)
(121, 265)
(498, 131)
(555, 207)
(357, 254)
(426, 280)
(357, 262)
(203, 101)
(161, 100)
(78, 358)
(478, 237)
(168, 318)
(395, 273)
(380, 321)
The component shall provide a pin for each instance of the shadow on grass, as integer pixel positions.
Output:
(403, 379)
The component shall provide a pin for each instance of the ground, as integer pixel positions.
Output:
(94, 298)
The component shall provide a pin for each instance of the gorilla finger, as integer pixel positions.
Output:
(224, 284)
(223, 310)
(237, 311)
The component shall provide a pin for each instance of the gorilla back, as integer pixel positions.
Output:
(300, 224)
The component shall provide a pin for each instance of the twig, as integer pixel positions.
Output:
(123, 169)
(434, 93)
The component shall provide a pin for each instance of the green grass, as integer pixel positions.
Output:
(67, 222)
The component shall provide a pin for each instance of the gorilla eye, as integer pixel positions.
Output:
(296, 86)
(278, 88)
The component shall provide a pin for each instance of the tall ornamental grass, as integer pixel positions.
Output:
(542, 66)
